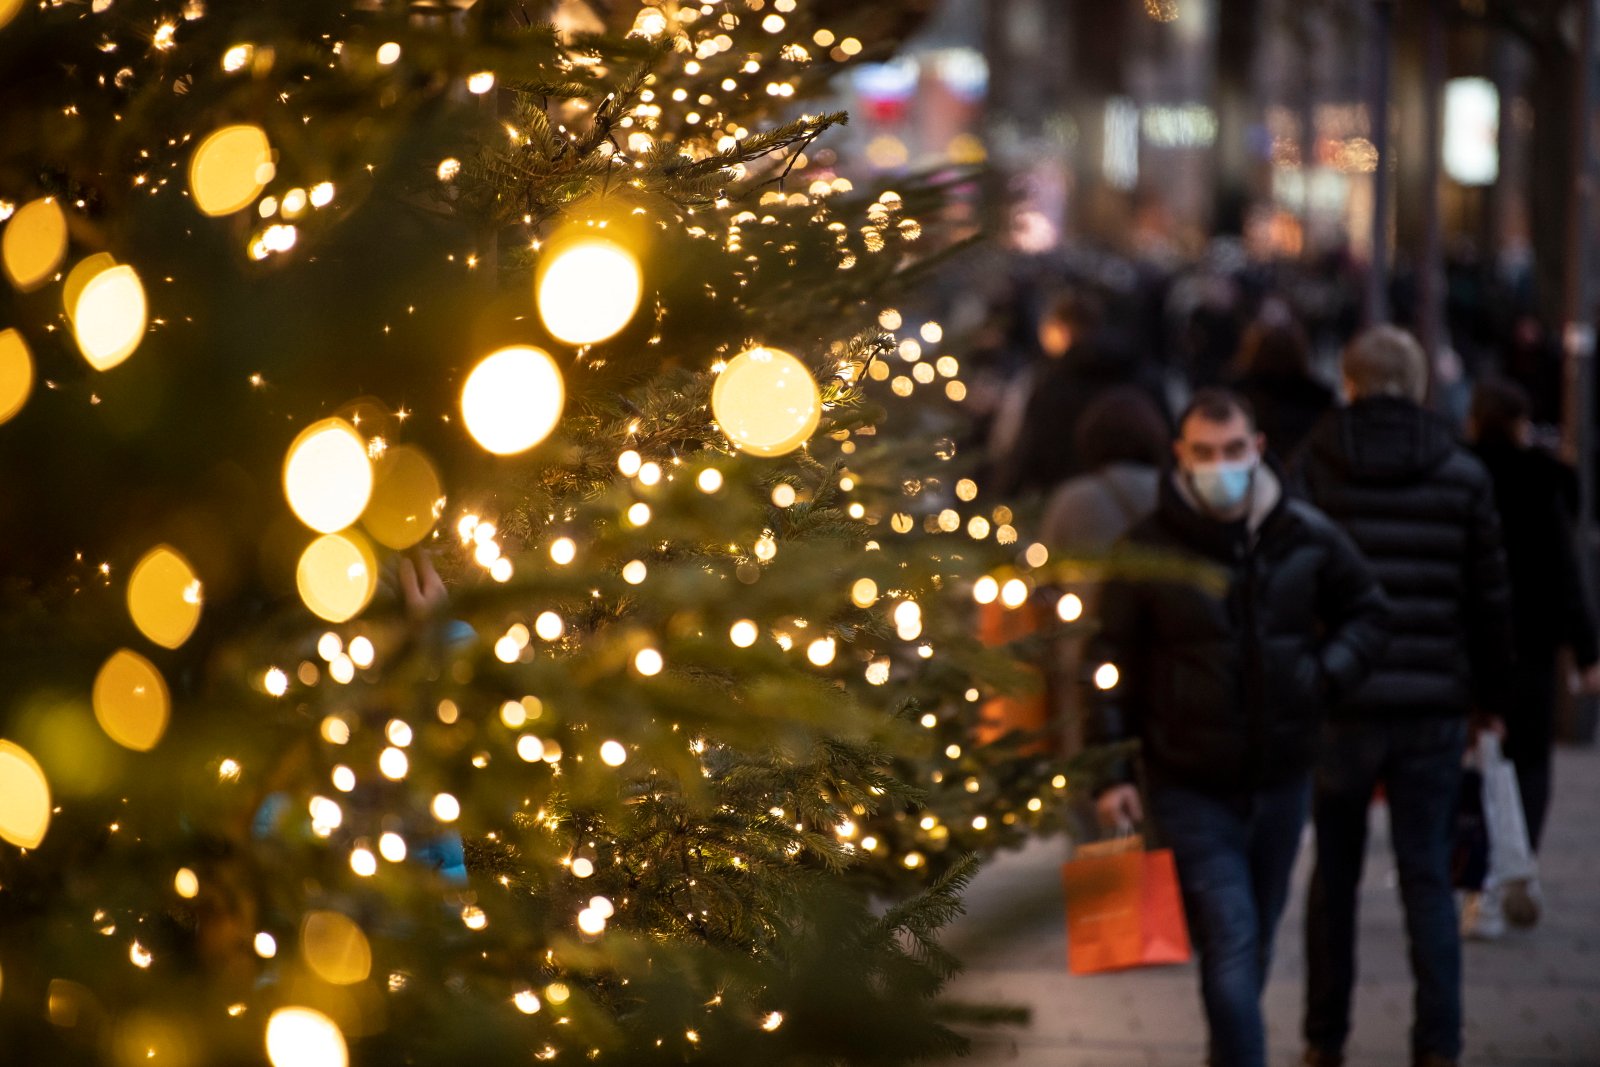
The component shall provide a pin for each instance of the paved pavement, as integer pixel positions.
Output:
(1532, 999)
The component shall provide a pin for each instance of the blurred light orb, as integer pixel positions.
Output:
(229, 168)
(24, 797)
(446, 808)
(164, 597)
(335, 948)
(1106, 676)
(34, 243)
(16, 373)
(109, 317)
(302, 1037)
(513, 399)
(130, 701)
(80, 276)
(1069, 608)
(406, 498)
(327, 476)
(8, 10)
(743, 633)
(613, 754)
(766, 402)
(337, 576)
(864, 592)
(588, 290)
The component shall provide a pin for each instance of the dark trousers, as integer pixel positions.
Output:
(1530, 734)
(1234, 854)
(1419, 763)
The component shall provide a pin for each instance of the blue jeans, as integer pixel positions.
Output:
(1234, 854)
(1419, 763)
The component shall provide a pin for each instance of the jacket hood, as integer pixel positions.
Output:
(1179, 508)
(1383, 440)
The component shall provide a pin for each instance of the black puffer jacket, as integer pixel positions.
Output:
(1422, 509)
(1231, 640)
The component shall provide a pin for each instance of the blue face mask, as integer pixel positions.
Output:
(1222, 486)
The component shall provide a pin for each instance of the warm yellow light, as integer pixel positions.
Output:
(743, 633)
(635, 571)
(109, 317)
(16, 373)
(80, 276)
(563, 551)
(229, 168)
(9, 9)
(527, 1001)
(1106, 676)
(709, 480)
(588, 290)
(512, 399)
(446, 808)
(783, 495)
(548, 626)
(406, 498)
(985, 590)
(1014, 593)
(613, 754)
(130, 701)
(24, 797)
(301, 1037)
(766, 402)
(34, 243)
(327, 476)
(337, 576)
(1070, 608)
(186, 883)
(864, 592)
(648, 662)
(335, 948)
(164, 597)
(821, 651)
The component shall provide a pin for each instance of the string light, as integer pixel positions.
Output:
(587, 289)
(766, 402)
(513, 399)
(24, 797)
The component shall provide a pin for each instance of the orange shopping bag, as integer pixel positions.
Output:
(1123, 908)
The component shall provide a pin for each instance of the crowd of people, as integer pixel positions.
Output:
(1359, 573)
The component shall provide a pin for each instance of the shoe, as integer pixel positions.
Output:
(1483, 916)
(1522, 902)
(1317, 1058)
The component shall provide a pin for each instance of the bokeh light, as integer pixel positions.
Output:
(337, 576)
(164, 597)
(302, 1037)
(588, 289)
(109, 317)
(512, 399)
(8, 10)
(229, 169)
(16, 373)
(34, 243)
(130, 701)
(405, 498)
(335, 948)
(766, 402)
(327, 476)
(80, 276)
(24, 797)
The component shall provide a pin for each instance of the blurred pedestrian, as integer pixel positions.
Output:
(1221, 661)
(1273, 371)
(1537, 498)
(1421, 507)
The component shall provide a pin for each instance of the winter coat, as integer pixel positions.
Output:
(1287, 407)
(1235, 640)
(1091, 512)
(1535, 495)
(1421, 507)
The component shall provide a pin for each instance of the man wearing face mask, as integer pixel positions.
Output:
(1422, 508)
(1236, 618)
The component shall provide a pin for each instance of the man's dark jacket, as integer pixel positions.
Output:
(1422, 509)
(1233, 641)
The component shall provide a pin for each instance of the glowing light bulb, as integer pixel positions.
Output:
(563, 551)
(164, 597)
(393, 764)
(648, 662)
(34, 243)
(130, 701)
(363, 862)
(335, 948)
(766, 402)
(821, 651)
(613, 754)
(337, 575)
(108, 320)
(229, 168)
(446, 808)
(16, 373)
(548, 626)
(709, 480)
(985, 590)
(513, 399)
(587, 289)
(1106, 676)
(407, 498)
(1014, 593)
(24, 797)
(1069, 608)
(743, 633)
(327, 476)
(635, 571)
(302, 1037)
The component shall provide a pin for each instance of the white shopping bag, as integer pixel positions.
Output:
(1510, 853)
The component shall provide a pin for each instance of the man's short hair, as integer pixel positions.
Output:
(1386, 361)
(1216, 404)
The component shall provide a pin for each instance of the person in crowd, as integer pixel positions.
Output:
(1273, 371)
(1537, 499)
(1124, 442)
(1030, 447)
(1421, 507)
(1241, 616)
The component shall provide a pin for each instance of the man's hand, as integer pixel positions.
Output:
(1119, 808)
(420, 586)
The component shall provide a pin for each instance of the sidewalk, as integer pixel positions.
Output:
(1532, 1000)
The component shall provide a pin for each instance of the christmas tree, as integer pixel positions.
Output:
(458, 603)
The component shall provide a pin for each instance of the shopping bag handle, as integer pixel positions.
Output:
(1125, 841)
